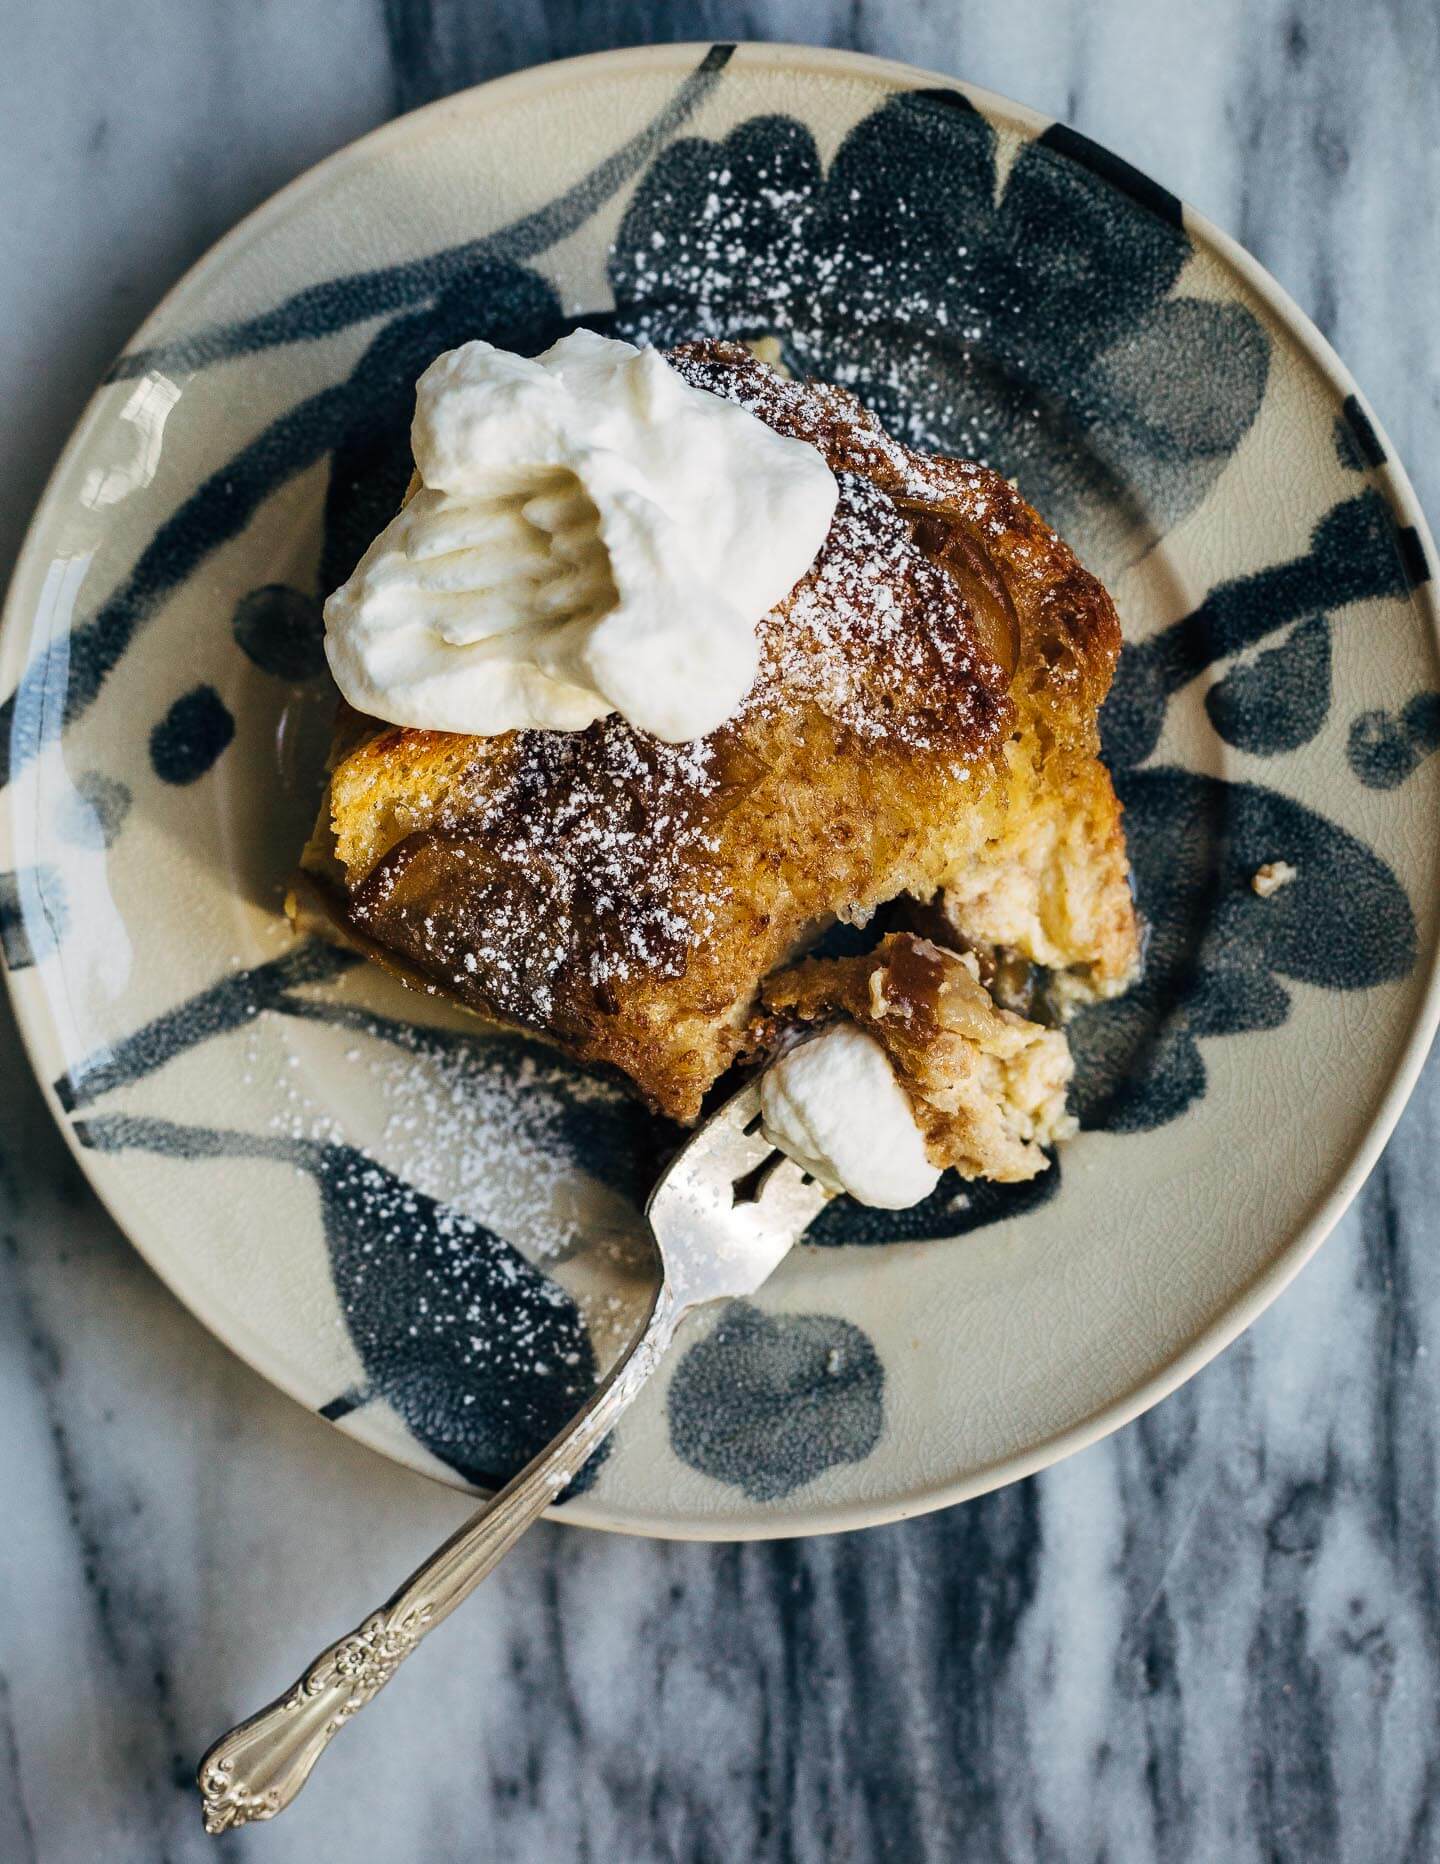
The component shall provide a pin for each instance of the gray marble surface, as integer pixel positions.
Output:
(1214, 1637)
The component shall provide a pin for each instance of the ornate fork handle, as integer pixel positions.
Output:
(257, 1769)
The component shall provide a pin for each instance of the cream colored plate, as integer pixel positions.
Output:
(432, 1237)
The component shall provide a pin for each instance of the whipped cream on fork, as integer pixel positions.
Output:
(591, 534)
(833, 1104)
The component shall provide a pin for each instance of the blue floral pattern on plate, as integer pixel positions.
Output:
(1034, 309)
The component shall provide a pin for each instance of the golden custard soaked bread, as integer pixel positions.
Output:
(923, 722)
(987, 1087)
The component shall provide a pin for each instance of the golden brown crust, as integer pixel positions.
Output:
(625, 898)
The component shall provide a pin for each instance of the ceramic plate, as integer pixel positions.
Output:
(431, 1236)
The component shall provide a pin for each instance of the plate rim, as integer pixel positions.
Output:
(36, 1023)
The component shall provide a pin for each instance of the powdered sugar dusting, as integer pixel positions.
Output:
(468, 1137)
(776, 250)
(849, 642)
(589, 851)
(558, 868)
(877, 635)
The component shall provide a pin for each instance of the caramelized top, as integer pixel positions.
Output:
(624, 896)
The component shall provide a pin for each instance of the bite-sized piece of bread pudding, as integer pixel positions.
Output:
(987, 1087)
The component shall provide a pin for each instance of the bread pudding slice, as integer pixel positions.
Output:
(924, 713)
(987, 1087)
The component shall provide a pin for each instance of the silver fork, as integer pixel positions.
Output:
(724, 1214)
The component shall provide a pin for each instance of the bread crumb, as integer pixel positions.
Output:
(1271, 877)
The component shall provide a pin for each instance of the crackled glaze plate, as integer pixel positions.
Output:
(432, 1236)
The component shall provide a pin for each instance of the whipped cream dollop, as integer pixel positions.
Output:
(834, 1105)
(590, 535)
